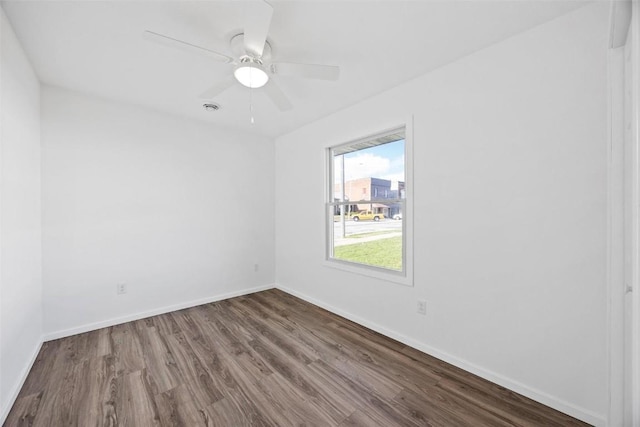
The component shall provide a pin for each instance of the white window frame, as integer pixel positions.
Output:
(404, 277)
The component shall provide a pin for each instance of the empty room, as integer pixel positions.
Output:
(319, 213)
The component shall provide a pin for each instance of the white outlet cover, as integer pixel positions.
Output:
(422, 307)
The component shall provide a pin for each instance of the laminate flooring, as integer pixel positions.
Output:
(265, 359)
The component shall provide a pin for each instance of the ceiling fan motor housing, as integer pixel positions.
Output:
(237, 47)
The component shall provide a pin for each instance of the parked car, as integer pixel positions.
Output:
(366, 215)
(397, 216)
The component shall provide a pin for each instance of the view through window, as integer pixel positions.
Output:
(368, 201)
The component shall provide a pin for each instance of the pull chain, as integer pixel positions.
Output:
(251, 98)
(251, 104)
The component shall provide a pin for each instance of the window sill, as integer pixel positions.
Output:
(377, 273)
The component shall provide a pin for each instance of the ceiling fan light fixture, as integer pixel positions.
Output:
(251, 73)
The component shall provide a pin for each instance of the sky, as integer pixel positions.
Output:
(382, 161)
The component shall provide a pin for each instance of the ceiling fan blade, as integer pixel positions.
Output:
(277, 96)
(309, 71)
(186, 46)
(256, 26)
(217, 89)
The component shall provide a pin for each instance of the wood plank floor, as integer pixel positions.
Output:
(266, 359)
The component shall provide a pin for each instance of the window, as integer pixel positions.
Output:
(367, 205)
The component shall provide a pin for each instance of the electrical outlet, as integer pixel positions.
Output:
(422, 307)
(121, 288)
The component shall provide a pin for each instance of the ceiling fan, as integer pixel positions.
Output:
(251, 58)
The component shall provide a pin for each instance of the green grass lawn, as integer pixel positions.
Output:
(386, 253)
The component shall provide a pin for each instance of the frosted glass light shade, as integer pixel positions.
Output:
(251, 74)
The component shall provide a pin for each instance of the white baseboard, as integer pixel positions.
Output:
(13, 395)
(141, 315)
(539, 396)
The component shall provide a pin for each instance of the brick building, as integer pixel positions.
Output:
(370, 194)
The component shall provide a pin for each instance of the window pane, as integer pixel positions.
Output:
(369, 238)
(372, 173)
(368, 200)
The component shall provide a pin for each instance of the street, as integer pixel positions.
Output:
(370, 230)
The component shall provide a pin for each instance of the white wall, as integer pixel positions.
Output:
(177, 209)
(510, 208)
(20, 217)
(634, 226)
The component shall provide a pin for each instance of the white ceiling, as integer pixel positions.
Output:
(96, 47)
